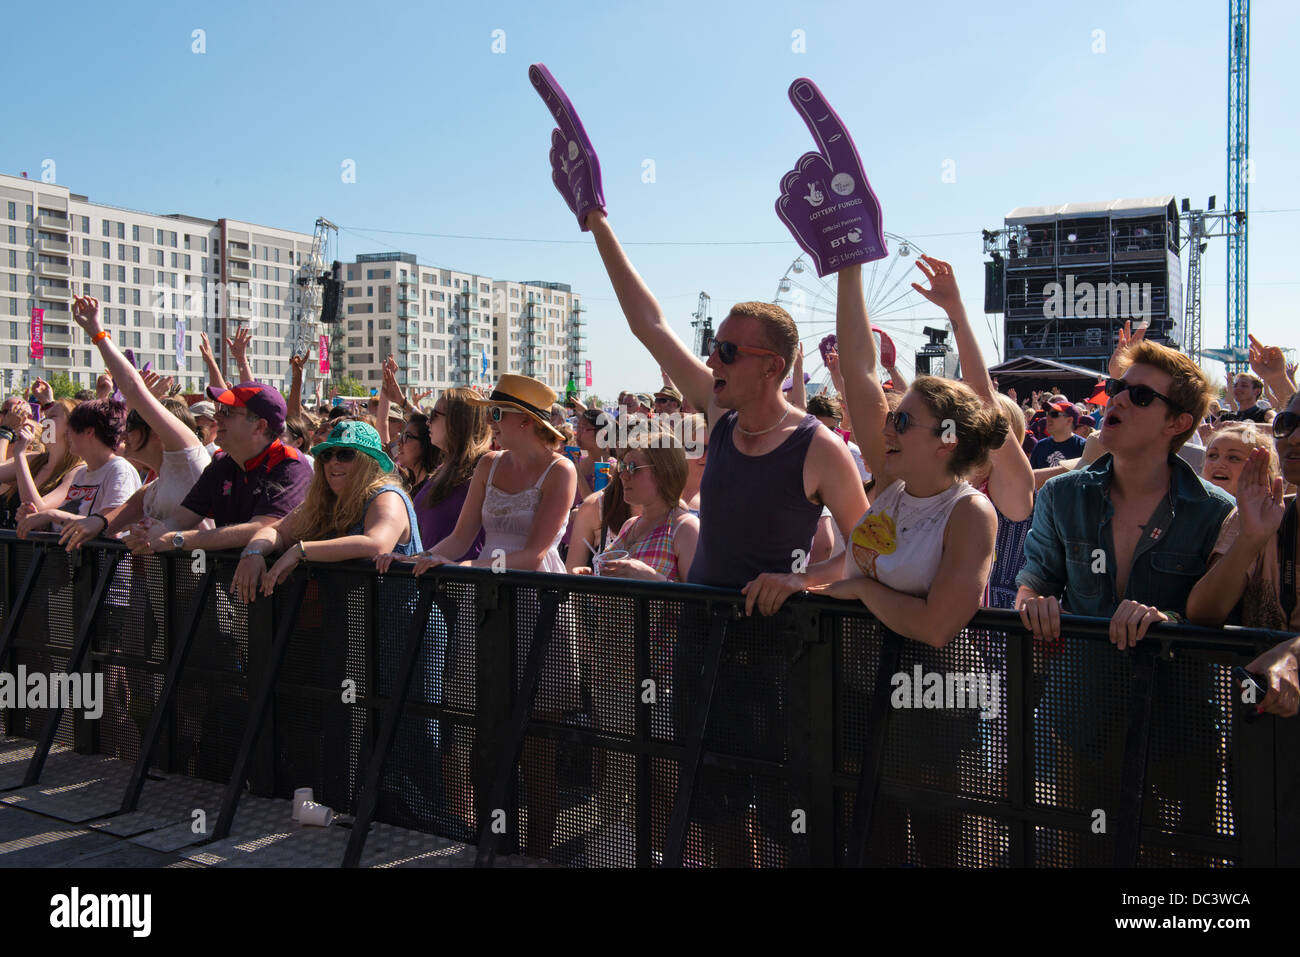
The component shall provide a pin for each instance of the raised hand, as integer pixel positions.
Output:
(299, 362)
(239, 345)
(1127, 337)
(418, 397)
(943, 290)
(85, 312)
(104, 386)
(575, 169)
(1266, 361)
(391, 388)
(1259, 501)
(841, 227)
(157, 384)
(205, 348)
(41, 392)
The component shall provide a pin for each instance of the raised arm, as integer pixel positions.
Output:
(646, 320)
(167, 427)
(216, 378)
(1011, 482)
(297, 362)
(863, 394)
(1269, 363)
(239, 349)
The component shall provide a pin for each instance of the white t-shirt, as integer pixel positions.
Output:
(179, 471)
(856, 452)
(899, 540)
(106, 487)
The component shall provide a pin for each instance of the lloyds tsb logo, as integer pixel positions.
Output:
(1103, 300)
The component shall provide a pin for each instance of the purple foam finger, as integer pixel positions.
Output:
(574, 164)
(826, 201)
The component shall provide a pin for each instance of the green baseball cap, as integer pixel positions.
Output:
(359, 436)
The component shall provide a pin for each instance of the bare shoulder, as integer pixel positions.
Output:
(974, 512)
(828, 450)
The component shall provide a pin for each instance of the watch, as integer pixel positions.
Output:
(178, 541)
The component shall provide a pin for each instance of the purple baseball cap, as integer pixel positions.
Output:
(263, 400)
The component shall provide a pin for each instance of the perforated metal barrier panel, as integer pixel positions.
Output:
(600, 723)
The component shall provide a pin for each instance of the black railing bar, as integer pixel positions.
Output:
(1229, 638)
(19, 606)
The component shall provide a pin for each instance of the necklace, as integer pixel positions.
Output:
(745, 431)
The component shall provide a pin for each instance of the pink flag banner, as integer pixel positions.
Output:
(324, 355)
(588, 373)
(38, 334)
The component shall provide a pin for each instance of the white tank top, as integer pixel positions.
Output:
(899, 541)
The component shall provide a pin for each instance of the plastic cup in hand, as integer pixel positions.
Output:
(613, 555)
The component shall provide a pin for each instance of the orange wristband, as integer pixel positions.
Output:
(100, 336)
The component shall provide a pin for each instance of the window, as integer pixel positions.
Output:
(108, 227)
(158, 237)
(135, 276)
(203, 244)
(29, 212)
(121, 230)
(108, 271)
(85, 224)
(135, 254)
(85, 247)
(85, 269)
(13, 259)
(13, 210)
(171, 238)
(135, 234)
(174, 264)
(13, 234)
(121, 251)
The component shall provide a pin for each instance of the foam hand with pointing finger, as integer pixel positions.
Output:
(826, 201)
(575, 169)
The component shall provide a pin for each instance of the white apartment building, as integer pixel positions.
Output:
(439, 324)
(217, 272)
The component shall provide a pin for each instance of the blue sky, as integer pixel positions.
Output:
(449, 138)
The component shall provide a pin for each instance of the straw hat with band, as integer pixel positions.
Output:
(358, 436)
(523, 394)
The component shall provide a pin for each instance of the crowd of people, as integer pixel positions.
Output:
(1148, 501)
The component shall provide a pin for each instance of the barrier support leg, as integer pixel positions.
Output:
(392, 717)
(873, 753)
(1133, 775)
(260, 706)
(675, 843)
(80, 645)
(512, 741)
(166, 698)
(20, 602)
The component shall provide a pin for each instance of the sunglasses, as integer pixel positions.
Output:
(1140, 395)
(1054, 414)
(1284, 424)
(901, 422)
(407, 437)
(727, 351)
(343, 455)
(631, 468)
(497, 412)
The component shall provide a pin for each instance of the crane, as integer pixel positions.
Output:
(1239, 173)
(702, 323)
(310, 280)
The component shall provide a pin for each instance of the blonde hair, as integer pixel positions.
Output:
(1253, 437)
(1015, 415)
(326, 515)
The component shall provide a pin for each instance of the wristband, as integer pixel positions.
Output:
(302, 552)
(6, 434)
(100, 336)
(249, 552)
(106, 523)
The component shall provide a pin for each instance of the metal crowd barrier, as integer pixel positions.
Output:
(596, 722)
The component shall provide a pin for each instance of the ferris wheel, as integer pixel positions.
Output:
(893, 305)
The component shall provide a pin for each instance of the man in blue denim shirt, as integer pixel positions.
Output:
(1127, 539)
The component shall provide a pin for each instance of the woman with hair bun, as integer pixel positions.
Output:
(920, 557)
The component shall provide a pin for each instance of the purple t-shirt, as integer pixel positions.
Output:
(439, 521)
(272, 483)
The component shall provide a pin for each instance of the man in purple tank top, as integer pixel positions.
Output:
(771, 467)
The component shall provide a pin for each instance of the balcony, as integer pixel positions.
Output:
(405, 295)
(54, 293)
(55, 270)
(405, 280)
(57, 362)
(54, 247)
(57, 337)
(238, 251)
(58, 314)
(238, 272)
(58, 224)
(406, 312)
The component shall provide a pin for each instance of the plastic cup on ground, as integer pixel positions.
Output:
(300, 797)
